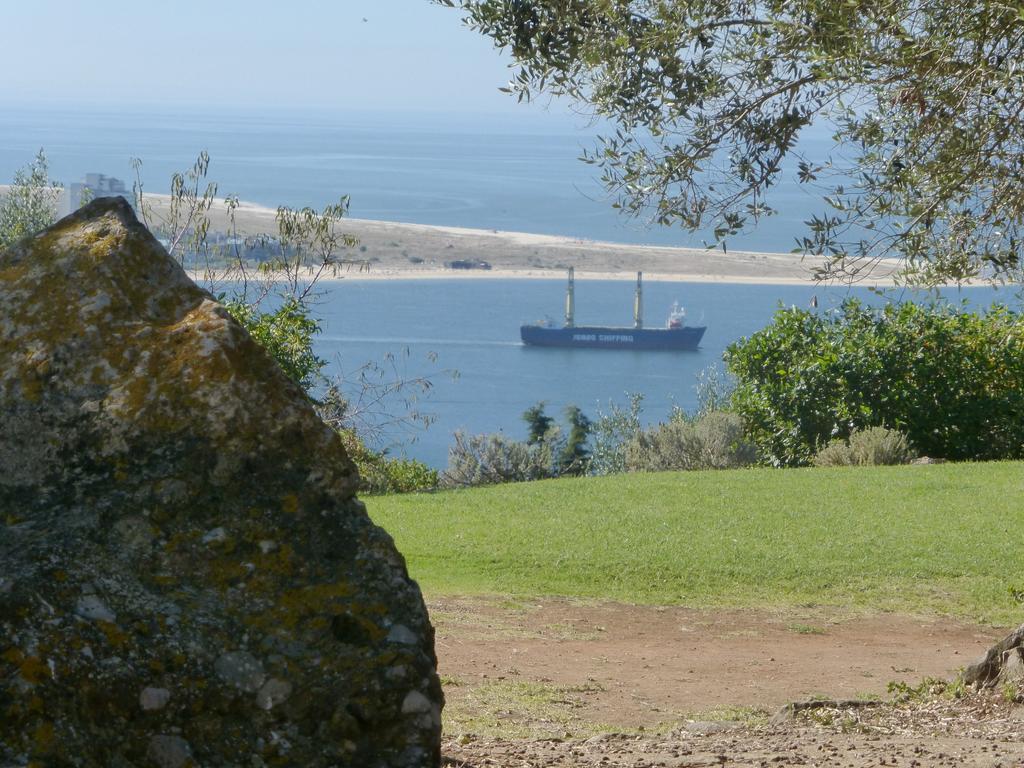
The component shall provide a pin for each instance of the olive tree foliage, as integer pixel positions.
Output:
(707, 100)
(30, 203)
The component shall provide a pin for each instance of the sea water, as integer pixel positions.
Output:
(447, 170)
(431, 328)
(473, 171)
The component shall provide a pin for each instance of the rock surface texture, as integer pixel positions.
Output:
(1002, 664)
(186, 578)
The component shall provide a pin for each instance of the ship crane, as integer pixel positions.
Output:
(638, 302)
(570, 301)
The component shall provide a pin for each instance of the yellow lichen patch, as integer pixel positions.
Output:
(318, 623)
(290, 503)
(272, 566)
(115, 636)
(297, 605)
(190, 358)
(224, 572)
(176, 543)
(33, 670)
(43, 739)
(103, 242)
(98, 375)
(13, 273)
(31, 386)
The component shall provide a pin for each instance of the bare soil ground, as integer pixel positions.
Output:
(556, 682)
(916, 743)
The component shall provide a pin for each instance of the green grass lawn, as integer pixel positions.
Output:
(945, 539)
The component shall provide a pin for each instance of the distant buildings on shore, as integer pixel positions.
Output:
(94, 185)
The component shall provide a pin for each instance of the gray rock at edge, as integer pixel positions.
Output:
(153, 699)
(241, 670)
(169, 752)
(138, 417)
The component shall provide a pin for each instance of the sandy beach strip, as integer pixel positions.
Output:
(402, 251)
(376, 274)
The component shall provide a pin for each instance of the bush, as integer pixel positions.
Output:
(874, 446)
(538, 423)
(487, 459)
(409, 475)
(30, 203)
(611, 433)
(947, 378)
(714, 390)
(712, 441)
(570, 451)
(382, 474)
(286, 333)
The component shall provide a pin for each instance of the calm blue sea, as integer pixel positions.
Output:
(471, 171)
(473, 326)
(492, 173)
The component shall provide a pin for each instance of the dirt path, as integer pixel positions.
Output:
(555, 667)
(557, 683)
(750, 748)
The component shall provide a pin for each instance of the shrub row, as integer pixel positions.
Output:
(950, 379)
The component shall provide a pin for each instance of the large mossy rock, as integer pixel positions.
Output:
(186, 577)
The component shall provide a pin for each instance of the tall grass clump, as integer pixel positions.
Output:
(490, 459)
(714, 440)
(874, 446)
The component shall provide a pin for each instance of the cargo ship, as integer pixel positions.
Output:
(676, 335)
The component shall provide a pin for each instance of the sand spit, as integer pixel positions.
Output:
(401, 251)
(396, 250)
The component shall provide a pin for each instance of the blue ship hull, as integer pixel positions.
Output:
(598, 337)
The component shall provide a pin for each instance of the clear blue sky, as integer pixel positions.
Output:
(407, 55)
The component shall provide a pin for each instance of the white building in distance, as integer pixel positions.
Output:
(94, 185)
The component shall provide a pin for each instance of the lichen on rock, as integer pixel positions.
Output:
(186, 576)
